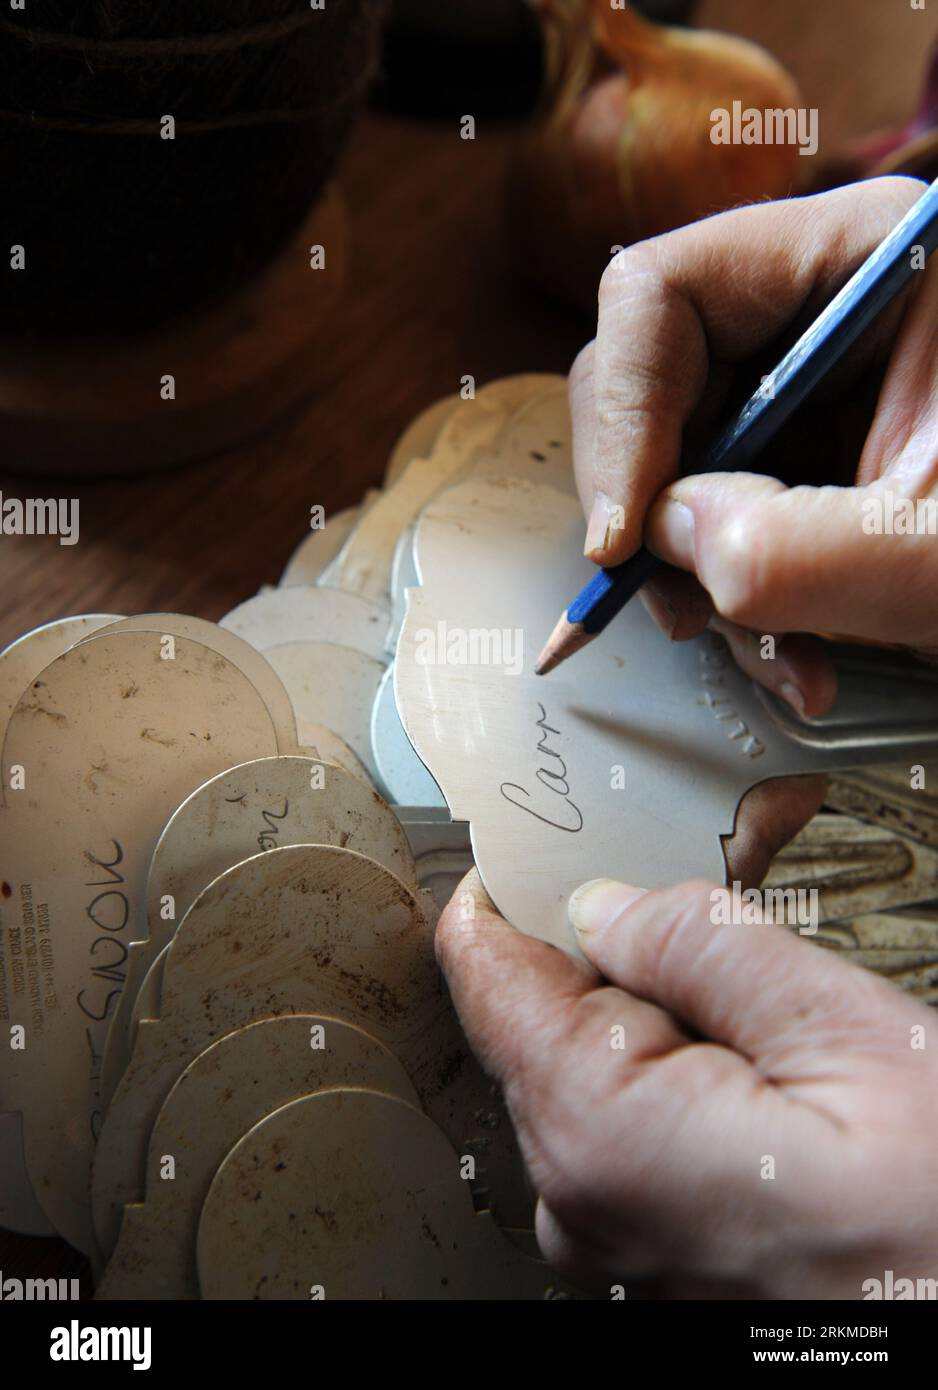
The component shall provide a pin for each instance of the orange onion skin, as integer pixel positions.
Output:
(629, 155)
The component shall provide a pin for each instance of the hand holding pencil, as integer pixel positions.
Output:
(630, 1165)
(682, 320)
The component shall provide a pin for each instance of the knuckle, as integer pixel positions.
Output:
(634, 262)
(441, 939)
(587, 1037)
(614, 412)
(462, 934)
(741, 568)
(449, 935)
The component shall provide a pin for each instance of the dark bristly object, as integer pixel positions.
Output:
(123, 229)
(879, 279)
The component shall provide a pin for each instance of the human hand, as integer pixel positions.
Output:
(766, 1129)
(679, 317)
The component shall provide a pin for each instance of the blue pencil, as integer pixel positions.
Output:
(865, 295)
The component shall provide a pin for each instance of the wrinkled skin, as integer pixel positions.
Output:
(768, 1126)
(742, 1046)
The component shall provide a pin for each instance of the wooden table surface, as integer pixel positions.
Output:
(430, 297)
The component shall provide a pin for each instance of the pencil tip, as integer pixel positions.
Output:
(565, 639)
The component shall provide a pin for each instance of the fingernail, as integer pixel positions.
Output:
(601, 524)
(595, 904)
(793, 695)
(674, 530)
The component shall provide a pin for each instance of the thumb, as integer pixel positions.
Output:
(780, 559)
(774, 998)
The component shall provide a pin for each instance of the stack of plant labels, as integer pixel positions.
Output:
(217, 938)
(234, 1068)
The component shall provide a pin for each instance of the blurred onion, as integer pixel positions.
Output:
(624, 151)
